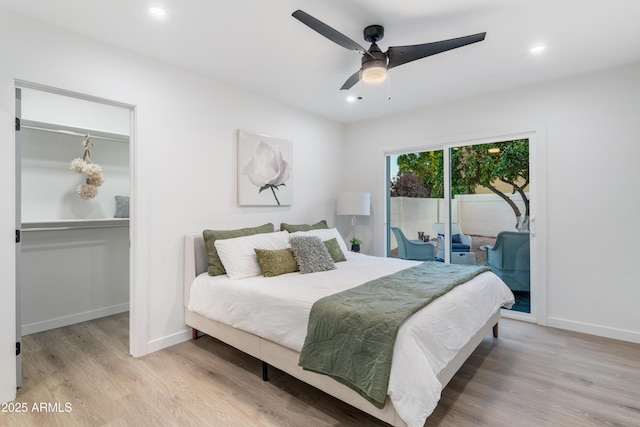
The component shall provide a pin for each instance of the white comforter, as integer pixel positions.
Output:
(277, 308)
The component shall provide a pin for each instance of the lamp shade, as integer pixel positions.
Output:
(353, 203)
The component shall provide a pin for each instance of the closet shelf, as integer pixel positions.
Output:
(73, 131)
(74, 224)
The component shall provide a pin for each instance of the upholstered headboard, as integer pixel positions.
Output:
(201, 254)
(195, 261)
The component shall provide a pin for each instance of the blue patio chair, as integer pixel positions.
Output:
(460, 242)
(509, 259)
(413, 249)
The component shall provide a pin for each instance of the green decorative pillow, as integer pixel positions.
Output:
(333, 247)
(215, 267)
(275, 262)
(292, 228)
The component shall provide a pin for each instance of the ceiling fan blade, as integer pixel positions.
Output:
(322, 28)
(399, 55)
(355, 78)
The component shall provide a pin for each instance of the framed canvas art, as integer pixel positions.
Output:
(265, 172)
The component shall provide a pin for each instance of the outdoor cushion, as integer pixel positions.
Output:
(460, 247)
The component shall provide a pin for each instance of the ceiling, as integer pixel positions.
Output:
(257, 46)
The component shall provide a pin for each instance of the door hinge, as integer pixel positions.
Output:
(18, 349)
(17, 236)
(17, 123)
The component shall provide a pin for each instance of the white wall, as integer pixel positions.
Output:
(71, 276)
(184, 165)
(49, 186)
(591, 125)
(41, 106)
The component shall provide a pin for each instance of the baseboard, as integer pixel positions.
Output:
(72, 319)
(601, 331)
(168, 341)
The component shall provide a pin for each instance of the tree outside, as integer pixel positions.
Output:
(408, 185)
(500, 167)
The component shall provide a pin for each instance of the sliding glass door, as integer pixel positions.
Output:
(471, 202)
(415, 203)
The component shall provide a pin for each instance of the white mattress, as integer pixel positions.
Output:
(277, 309)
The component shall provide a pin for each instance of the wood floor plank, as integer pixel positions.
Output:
(530, 376)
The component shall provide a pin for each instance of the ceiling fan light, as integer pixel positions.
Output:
(374, 74)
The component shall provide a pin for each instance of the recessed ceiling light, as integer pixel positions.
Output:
(537, 49)
(351, 98)
(157, 11)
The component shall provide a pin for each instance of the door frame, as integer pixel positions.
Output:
(137, 302)
(536, 134)
(18, 225)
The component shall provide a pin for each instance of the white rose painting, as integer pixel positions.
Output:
(264, 170)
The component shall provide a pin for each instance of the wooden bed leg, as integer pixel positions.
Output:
(495, 330)
(194, 334)
(265, 371)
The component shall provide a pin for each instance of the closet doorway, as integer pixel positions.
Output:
(73, 167)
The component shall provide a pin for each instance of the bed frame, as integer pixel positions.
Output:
(270, 353)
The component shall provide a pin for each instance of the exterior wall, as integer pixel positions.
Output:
(477, 214)
(412, 214)
(486, 214)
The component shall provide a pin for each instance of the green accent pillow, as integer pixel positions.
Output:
(333, 247)
(215, 267)
(275, 262)
(292, 228)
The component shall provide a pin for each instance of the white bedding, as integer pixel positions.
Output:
(277, 309)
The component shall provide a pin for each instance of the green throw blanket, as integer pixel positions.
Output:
(351, 334)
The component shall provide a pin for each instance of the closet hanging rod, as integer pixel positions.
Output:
(72, 133)
(73, 227)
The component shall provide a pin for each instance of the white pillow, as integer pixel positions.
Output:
(325, 234)
(238, 255)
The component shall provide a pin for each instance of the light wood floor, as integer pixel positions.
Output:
(530, 376)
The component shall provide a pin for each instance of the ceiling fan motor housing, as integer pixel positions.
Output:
(376, 58)
(373, 33)
(374, 65)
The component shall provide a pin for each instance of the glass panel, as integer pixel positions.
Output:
(415, 204)
(488, 209)
(490, 212)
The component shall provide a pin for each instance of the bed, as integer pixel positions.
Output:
(270, 301)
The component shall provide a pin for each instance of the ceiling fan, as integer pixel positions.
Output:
(375, 63)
